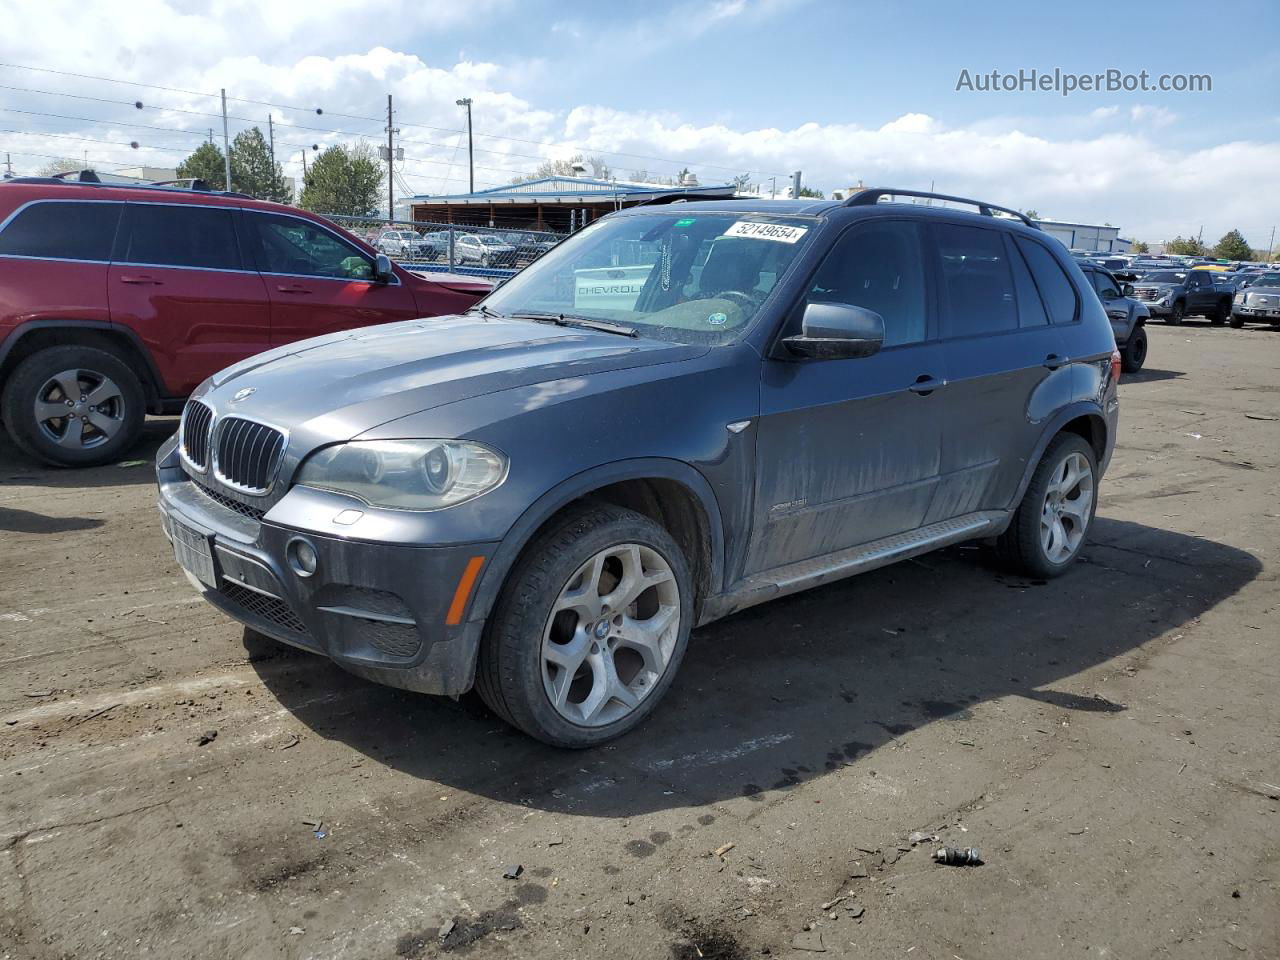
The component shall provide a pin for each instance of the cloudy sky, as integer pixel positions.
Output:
(845, 91)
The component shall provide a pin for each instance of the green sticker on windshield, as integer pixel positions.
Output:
(686, 222)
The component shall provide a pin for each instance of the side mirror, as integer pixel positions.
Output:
(837, 331)
(382, 271)
(1127, 290)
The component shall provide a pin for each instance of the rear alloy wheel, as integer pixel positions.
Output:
(73, 406)
(1176, 313)
(590, 629)
(1051, 524)
(1134, 353)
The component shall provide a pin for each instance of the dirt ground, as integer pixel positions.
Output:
(1110, 741)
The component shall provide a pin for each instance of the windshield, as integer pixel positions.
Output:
(490, 241)
(1265, 280)
(697, 278)
(1164, 276)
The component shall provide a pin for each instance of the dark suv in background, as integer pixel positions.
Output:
(118, 300)
(542, 497)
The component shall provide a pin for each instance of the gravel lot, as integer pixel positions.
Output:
(1110, 741)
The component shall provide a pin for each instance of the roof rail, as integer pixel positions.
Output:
(186, 185)
(865, 198)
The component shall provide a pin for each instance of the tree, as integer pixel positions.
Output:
(1138, 246)
(1033, 214)
(344, 180)
(1188, 247)
(253, 171)
(565, 168)
(1233, 246)
(741, 182)
(205, 163)
(811, 192)
(54, 167)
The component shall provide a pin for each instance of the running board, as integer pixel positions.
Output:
(782, 581)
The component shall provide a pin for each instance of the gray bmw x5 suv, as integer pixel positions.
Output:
(677, 413)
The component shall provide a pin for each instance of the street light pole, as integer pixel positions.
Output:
(471, 159)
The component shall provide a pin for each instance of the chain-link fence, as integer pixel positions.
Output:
(451, 248)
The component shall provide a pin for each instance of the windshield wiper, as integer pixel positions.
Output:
(571, 320)
(486, 310)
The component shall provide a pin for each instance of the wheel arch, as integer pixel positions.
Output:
(668, 491)
(1086, 420)
(35, 335)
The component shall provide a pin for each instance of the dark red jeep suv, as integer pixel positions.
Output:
(117, 300)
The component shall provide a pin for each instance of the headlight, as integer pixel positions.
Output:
(1166, 298)
(1239, 298)
(406, 474)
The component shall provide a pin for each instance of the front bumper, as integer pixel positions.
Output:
(1157, 309)
(1260, 313)
(393, 613)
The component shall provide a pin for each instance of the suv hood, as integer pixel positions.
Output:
(338, 386)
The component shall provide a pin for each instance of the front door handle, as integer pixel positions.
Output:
(292, 288)
(1053, 361)
(925, 384)
(139, 279)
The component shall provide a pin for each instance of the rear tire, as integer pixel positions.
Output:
(556, 600)
(1134, 354)
(103, 398)
(1053, 520)
(1221, 314)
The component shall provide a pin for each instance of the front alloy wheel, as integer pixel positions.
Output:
(589, 629)
(610, 635)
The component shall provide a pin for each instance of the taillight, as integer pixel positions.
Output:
(1115, 366)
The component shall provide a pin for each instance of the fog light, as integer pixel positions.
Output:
(302, 557)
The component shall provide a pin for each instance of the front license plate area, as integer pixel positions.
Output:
(194, 552)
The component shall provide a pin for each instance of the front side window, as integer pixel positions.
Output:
(61, 230)
(880, 267)
(296, 247)
(692, 277)
(1056, 288)
(976, 281)
(182, 235)
(1105, 286)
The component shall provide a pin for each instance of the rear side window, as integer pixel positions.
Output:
(976, 281)
(878, 266)
(62, 231)
(182, 236)
(1056, 288)
(1031, 311)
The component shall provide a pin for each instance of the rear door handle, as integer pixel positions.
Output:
(139, 279)
(292, 288)
(925, 384)
(1053, 361)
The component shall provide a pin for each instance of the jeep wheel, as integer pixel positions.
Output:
(590, 629)
(1176, 313)
(1053, 520)
(1221, 313)
(1237, 321)
(1134, 353)
(73, 406)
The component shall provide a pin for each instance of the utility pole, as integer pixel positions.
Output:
(226, 141)
(795, 185)
(8, 172)
(211, 136)
(271, 141)
(391, 154)
(471, 156)
(773, 187)
(1270, 243)
(304, 166)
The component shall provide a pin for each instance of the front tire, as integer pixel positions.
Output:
(590, 628)
(73, 406)
(1237, 321)
(1134, 354)
(1052, 522)
(1176, 313)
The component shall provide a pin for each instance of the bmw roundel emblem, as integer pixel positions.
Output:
(244, 393)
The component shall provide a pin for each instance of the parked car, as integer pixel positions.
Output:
(483, 249)
(119, 300)
(1259, 300)
(1127, 314)
(1175, 294)
(543, 501)
(529, 246)
(405, 244)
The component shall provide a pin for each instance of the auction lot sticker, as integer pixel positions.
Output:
(781, 232)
